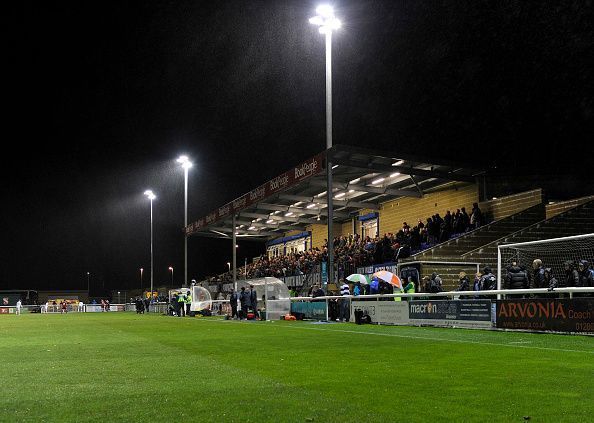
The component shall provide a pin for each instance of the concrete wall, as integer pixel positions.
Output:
(511, 204)
(561, 207)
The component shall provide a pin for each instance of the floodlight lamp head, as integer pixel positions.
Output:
(184, 161)
(150, 194)
(325, 19)
(325, 10)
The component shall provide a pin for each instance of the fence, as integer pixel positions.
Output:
(540, 293)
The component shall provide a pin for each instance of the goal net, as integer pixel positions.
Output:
(553, 253)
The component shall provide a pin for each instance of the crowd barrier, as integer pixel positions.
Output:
(567, 310)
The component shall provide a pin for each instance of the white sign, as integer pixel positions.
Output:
(386, 312)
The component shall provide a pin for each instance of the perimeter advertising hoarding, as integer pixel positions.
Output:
(454, 313)
(385, 312)
(560, 315)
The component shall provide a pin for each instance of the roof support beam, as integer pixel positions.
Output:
(249, 223)
(376, 167)
(304, 220)
(416, 184)
(338, 203)
(278, 207)
(366, 188)
(228, 230)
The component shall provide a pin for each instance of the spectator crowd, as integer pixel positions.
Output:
(355, 251)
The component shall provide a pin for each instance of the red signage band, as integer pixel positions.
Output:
(301, 172)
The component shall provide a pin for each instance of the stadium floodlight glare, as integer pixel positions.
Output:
(171, 270)
(151, 196)
(186, 165)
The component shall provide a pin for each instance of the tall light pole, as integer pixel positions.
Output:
(327, 22)
(89, 284)
(151, 196)
(141, 270)
(186, 164)
(171, 270)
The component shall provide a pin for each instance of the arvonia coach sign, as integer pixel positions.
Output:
(301, 172)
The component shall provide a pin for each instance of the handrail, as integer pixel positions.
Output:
(545, 221)
(569, 290)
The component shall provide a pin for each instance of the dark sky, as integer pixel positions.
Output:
(103, 97)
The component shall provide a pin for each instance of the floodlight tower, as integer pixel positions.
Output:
(327, 22)
(186, 165)
(151, 196)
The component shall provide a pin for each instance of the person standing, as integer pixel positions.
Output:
(476, 216)
(146, 304)
(476, 287)
(19, 304)
(244, 299)
(538, 279)
(188, 303)
(345, 291)
(464, 283)
(181, 300)
(516, 278)
(81, 306)
(233, 298)
(254, 301)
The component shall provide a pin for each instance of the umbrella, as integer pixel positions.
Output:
(358, 277)
(388, 277)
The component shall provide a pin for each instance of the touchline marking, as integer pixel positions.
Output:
(427, 338)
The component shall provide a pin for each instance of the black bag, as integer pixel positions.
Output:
(358, 316)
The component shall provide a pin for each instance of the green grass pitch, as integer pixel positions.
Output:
(123, 367)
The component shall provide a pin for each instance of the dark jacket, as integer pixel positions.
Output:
(244, 299)
(516, 278)
(233, 299)
(488, 282)
(538, 280)
(572, 277)
(464, 284)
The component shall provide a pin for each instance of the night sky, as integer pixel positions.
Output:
(102, 98)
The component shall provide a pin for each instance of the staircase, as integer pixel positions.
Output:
(579, 220)
(454, 249)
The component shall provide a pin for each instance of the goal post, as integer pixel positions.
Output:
(553, 253)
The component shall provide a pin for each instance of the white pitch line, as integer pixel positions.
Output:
(426, 338)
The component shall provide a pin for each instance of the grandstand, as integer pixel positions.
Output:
(375, 194)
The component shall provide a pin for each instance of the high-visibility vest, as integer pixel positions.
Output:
(180, 299)
(188, 299)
